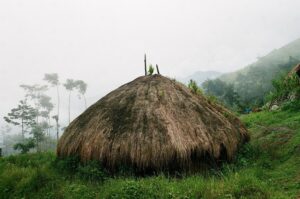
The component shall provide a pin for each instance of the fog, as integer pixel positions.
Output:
(103, 42)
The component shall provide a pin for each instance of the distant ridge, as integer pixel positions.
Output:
(201, 76)
(273, 59)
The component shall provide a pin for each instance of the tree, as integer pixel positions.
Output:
(38, 135)
(24, 115)
(70, 85)
(224, 92)
(4, 131)
(46, 108)
(81, 87)
(53, 80)
(26, 146)
(34, 92)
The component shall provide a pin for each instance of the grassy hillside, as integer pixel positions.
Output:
(267, 167)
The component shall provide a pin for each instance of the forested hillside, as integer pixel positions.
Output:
(249, 86)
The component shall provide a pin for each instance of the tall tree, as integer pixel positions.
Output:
(70, 85)
(4, 131)
(34, 92)
(53, 80)
(46, 108)
(82, 87)
(38, 135)
(24, 115)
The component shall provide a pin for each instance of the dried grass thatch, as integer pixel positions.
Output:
(154, 123)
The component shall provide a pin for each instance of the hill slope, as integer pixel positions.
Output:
(281, 56)
(255, 81)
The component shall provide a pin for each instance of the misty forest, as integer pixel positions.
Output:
(220, 122)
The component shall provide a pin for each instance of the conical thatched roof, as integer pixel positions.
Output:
(153, 123)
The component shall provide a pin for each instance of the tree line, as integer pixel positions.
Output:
(35, 113)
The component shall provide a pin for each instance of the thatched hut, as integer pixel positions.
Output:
(153, 124)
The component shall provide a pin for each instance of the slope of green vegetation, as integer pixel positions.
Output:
(267, 167)
(275, 58)
(252, 83)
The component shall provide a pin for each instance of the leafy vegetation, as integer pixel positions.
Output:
(34, 114)
(267, 167)
(194, 87)
(223, 91)
(248, 87)
(151, 69)
(286, 88)
(23, 115)
(26, 146)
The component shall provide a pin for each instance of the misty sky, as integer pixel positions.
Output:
(103, 42)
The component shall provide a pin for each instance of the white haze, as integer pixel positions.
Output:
(103, 42)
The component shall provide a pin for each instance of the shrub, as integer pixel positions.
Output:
(77, 190)
(136, 189)
(92, 171)
(291, 106)
(194, 87)
(26, 146)
(68, 165)
(247, 155)
(131, 189)
(284, 88)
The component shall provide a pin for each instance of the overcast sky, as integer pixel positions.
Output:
(103, 42)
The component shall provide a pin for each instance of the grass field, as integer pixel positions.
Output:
(267, 167)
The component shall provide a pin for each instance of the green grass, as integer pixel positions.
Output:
(267, 167)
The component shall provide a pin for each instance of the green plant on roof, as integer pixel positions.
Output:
(194, 87)
(151, 69)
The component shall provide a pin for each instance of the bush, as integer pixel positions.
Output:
(68, 165)
(78, 190)
(131, 189)
(291, 106)
(284, 87)
(194, 87)
(247, 155)
(92, 171)
(26, 146)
